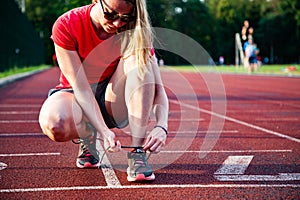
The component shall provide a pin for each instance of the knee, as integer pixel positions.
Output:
(57, 130)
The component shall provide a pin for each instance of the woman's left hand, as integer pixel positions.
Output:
(109, 142)
(155, 140)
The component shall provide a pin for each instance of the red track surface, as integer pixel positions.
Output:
(262, 120)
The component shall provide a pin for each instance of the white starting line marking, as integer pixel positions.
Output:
(29, 154)
(237, 121)
(234, 167)
(150, 187)
(280, 177)
(107, 169)
(2, 166)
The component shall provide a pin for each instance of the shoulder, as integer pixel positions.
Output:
(75, 15)
(68, 27)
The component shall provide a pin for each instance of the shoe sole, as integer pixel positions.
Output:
(87, 165)
(141, 177)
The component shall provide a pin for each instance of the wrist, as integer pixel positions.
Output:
(163, 128)
(105, 132)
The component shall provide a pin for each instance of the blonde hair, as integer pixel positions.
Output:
(137, 36)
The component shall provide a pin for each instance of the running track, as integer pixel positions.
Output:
(252, 139)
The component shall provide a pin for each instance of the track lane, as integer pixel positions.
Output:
(189, 176)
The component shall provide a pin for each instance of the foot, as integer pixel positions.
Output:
(138, 166)
(88, 156)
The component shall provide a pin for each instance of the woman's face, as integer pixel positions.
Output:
(114, 14)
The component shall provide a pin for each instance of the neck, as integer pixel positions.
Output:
(94, 15)
(103, 34)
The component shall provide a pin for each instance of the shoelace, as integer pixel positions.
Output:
(142, 160)
(86, 149)
(136, 148)
(139, 159)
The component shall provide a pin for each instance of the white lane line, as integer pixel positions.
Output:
(17, 121)
(20, 105)
(234, 151)
(193, 132)
(150, 187)
(185, 120)
(186, 132)
(170, 132)
(106, 162)
(242, 177)
(239, 122)
(235, 165)
(18, 112)
(30, 154)
(253, 111)
(20, 134)
(277, 119)
(173, 132)
(107, 169)
(212, 151)
(127, 132)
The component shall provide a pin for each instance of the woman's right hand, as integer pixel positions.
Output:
(109, 142)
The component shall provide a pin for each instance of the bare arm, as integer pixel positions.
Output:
(71, 67)
(157, 137)
(161, 103)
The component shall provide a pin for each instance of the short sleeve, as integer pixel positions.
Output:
(61, 34)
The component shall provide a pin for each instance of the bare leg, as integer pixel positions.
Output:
(131, 96)
(255, 66)
(61, 118)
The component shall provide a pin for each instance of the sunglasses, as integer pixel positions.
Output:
(115, 16)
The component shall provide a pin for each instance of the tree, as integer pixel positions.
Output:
(191, 18)
(212, 23)
(278, 32)
(43, 14)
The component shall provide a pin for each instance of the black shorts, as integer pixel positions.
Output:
(99, 91)
(252, 59)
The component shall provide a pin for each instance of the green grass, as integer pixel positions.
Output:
(264, 69)
(19, 70)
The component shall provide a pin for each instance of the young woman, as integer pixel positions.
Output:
(109, 78)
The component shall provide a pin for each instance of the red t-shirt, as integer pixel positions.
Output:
(75, 31)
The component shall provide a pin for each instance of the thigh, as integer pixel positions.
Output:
(115, 95)
(60, 106)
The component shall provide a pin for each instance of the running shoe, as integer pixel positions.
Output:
(138, 166)
(88, 156)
